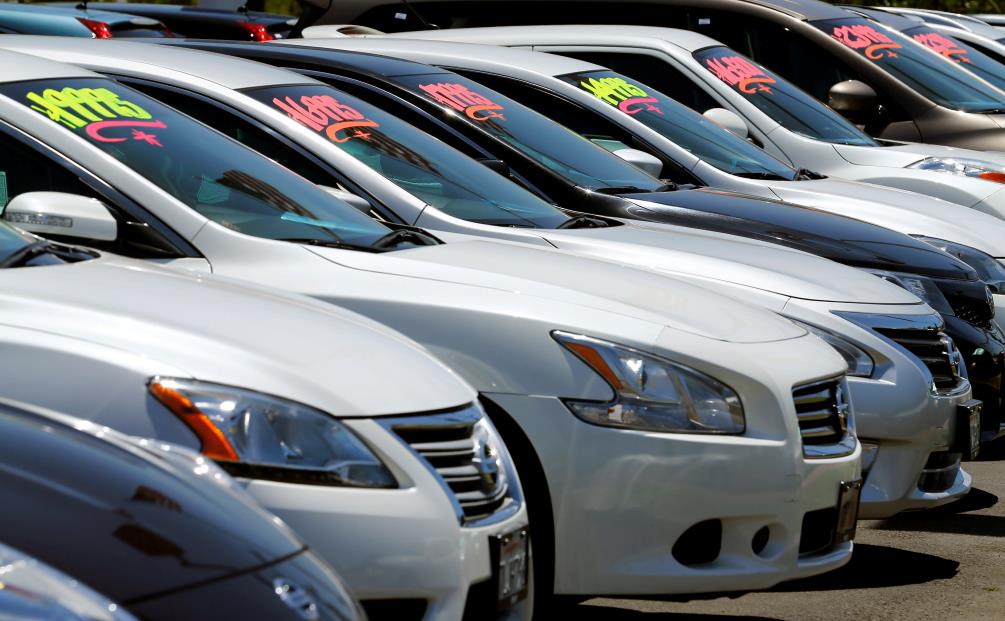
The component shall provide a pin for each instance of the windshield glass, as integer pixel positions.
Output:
(781, 100)
(12, 240)
(969, 58)
(420, 164)
(683, 126)
(942, 83)
(219, 178)
(563, 151)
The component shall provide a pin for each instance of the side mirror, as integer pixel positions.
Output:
(729, 121)
(358, 202)
(856, 101)
(62, 215)
(641, 159)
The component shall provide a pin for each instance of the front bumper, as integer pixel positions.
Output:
(401, 551)
(623, 499)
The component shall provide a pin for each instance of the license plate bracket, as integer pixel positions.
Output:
(849, 493)
(968, 429)
(510, 567)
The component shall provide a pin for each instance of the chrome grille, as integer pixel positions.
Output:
(823, 415)
(465, 455)
(935, 350)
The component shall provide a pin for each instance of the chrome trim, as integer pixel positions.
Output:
(822, 411)
(476, 470)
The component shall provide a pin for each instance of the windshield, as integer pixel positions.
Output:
(418, 163)
(942, 83)
(969, 58)
(561, 150)
(781, 100)
(683, 126)
(12, 240)
(219, 178)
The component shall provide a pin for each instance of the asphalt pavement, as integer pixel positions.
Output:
(945, 564)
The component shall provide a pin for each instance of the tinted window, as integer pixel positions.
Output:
(940, 82)
(683, 126)
(787, 105)
(960, 53)
(12, 240)
(203, 169)
(420, 164)
(551, 145)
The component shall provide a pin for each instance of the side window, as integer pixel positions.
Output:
(655, 72)
(240, 130)
(580, 120)
(23, 169)
(987, 50)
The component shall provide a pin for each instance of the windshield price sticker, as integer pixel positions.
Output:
(100, 112)
(459, 97)
(341, 123)
(628, 97)
(943, 45)
(740, 73)
(866, 39)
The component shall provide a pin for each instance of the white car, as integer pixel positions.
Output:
(883, 390)
(333, 422)
(616, 389)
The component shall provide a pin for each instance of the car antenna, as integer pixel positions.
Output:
(419, 15)
(82, 5)
(241, 9)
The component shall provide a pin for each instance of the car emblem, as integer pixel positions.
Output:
(953, 355)
(296, 598)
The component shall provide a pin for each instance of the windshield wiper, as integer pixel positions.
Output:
(402, 236)
(584, 222)
(631, 189)
(805, 173)
(27, 253)
(327, 243)
(766, 176)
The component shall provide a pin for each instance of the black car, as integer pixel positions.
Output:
(194, 21)
(152, 526)
(603, 185)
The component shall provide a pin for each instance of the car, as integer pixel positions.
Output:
(204, 22)
(33, 589)
(155, 527)
(132, 343)
(73, 21)
(995, 19)
(875, 78)
(438, 176)
(774, 222)
(540, 334)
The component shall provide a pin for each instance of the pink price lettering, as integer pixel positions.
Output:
(873, 43)
(340, 122)
(943, 45)
(740, 73)
(94, 130)
(459, 97)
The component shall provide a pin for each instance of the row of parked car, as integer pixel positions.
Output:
(458, 309)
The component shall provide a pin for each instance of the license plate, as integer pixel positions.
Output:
(968, 426)
(510, 555)
(847, 515)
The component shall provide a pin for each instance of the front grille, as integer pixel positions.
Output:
(935, 350)
(972, 313)
(461, 451)
(822, 412)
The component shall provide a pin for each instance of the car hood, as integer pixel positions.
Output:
(741, 261)
(904, 154)
(572, 279)
(227, 332)
(842, 239)
(126, 520)
(903, 211)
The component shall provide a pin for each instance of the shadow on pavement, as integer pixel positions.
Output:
(952, 518)
(878, 566)
(593, 612)
(976, 500)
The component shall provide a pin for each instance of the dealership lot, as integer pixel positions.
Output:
(945, 563)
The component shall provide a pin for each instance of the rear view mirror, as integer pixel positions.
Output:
(356, 201)
(61, 215)
(729, 121)
(854, 100)
(641, 159)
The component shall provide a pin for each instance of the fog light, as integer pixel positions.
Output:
(760, 540)
(700, 544)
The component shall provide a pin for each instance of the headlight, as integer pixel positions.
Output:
(963, 167)
(987, 267)
(263, 437)
(860, 363)
(653, 393)
(920, 286)
(30, 589)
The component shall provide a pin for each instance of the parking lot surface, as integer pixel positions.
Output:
(948, 563)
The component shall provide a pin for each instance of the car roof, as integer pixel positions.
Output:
(24, 67)
(896, 21)
(68, 11)
(549, 64)
(227, 71)
(566, 34)
(169, 9)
